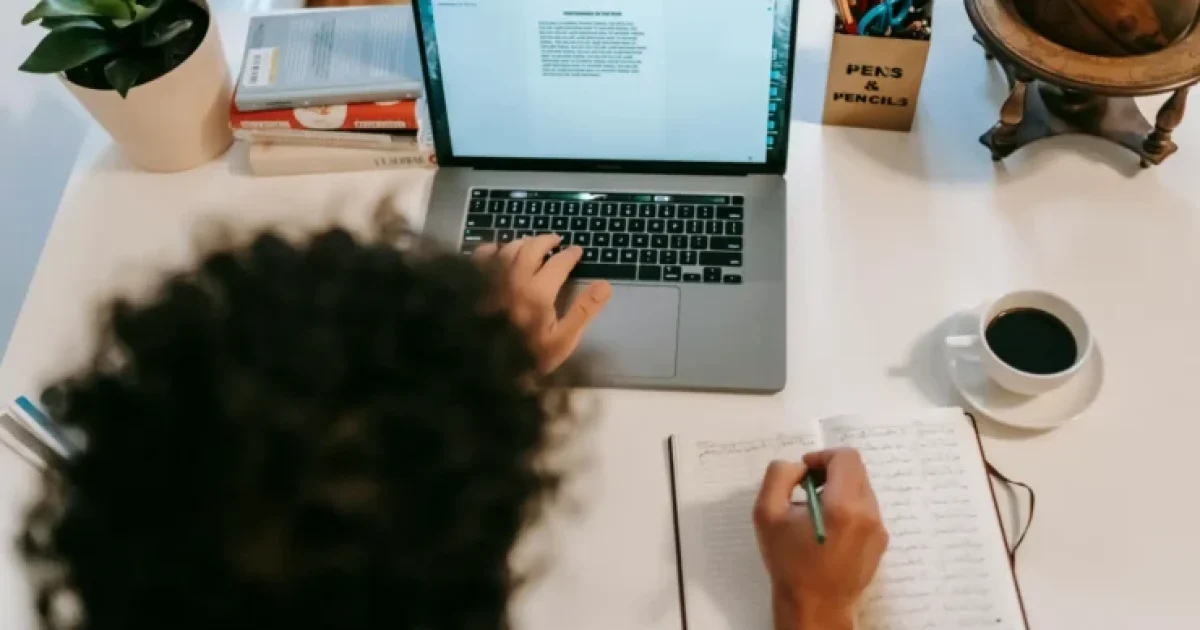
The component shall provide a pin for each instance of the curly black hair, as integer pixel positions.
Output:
(335, 433)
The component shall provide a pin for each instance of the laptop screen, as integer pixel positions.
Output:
(611, 80)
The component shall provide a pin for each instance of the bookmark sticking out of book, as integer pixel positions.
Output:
(30, 433)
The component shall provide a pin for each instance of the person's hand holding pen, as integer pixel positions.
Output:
(816, 586)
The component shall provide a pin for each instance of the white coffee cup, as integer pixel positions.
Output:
(1009, 377)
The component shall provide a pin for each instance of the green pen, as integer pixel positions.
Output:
(814, 508)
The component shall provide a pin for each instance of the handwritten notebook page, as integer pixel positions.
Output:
(946, 566)
(716, 483)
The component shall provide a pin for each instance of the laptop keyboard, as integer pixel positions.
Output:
(649, 237)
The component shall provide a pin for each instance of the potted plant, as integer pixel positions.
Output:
(152, 72)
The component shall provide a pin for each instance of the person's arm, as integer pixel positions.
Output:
(815, 586)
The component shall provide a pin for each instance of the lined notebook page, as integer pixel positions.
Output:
(946, 567)
(716, 482)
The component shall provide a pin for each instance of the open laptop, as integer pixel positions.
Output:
(653, 133)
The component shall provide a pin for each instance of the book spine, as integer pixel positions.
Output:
(296, 99)
(341, 139)
(354, 116)
(271, 164)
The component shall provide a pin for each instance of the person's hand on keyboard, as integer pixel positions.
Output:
(534, 284)
(818, 585)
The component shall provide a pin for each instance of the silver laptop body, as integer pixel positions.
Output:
(712, 326)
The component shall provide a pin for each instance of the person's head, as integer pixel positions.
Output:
(336, 433)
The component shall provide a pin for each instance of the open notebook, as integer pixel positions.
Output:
(946, 567)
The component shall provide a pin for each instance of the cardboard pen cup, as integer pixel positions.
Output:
(874, 82)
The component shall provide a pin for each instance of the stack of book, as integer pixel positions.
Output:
(325, 91)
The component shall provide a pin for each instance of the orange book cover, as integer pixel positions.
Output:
(353, 116)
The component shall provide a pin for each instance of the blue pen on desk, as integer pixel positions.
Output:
(32, 435)
(42, 426)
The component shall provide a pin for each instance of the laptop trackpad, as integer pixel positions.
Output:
(636, 334)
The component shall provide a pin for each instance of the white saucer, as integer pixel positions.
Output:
(1043, 412)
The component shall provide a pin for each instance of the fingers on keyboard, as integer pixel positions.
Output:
(648, 237)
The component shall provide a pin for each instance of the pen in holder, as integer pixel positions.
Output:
(877, 62)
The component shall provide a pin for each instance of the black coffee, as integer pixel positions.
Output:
(1032, 341)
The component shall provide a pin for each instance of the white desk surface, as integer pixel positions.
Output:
(888, 235)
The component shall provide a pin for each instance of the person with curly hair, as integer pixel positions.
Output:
(333, 434)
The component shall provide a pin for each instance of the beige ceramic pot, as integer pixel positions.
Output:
(177, 121)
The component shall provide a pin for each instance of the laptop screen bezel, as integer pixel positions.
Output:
(775, 164)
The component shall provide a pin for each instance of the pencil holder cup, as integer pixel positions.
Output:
(874, 81)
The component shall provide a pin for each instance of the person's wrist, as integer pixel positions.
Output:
(798, 611)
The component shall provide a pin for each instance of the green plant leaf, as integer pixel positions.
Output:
(143, 12)
(123, 74)
(113, 9)
(36, 13)
(164, 34)
(52, 23)
(67, 47)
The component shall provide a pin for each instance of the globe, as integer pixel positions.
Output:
(1111, 28)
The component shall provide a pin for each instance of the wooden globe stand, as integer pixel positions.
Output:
(1054, 90)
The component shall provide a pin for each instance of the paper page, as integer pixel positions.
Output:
(716, 483)
(946, 566)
